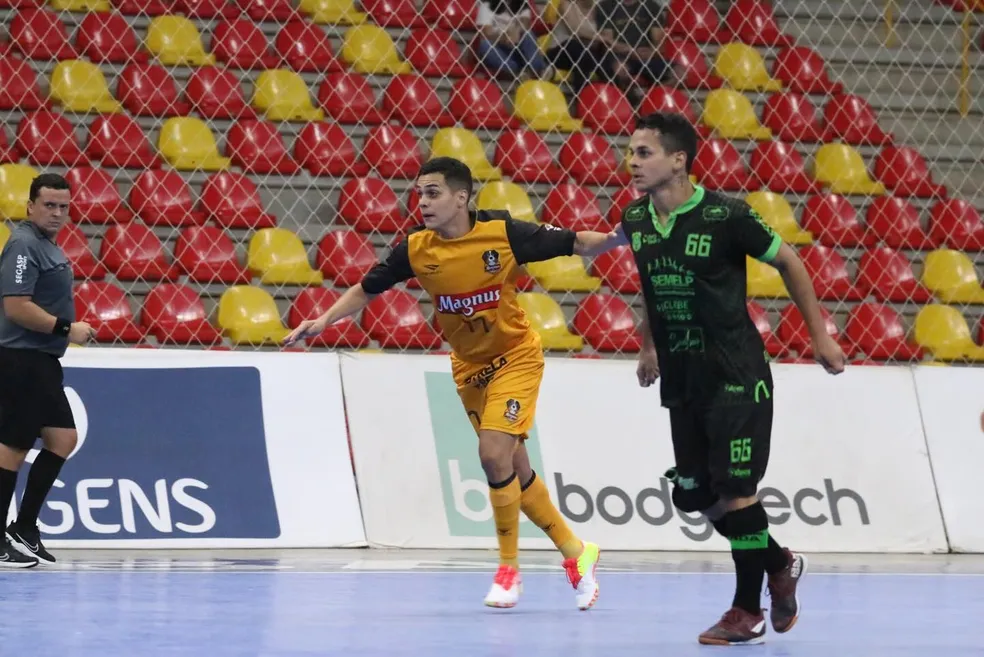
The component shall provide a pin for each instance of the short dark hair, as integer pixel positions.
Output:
(46, 181)
(456, 173)
(676, 133)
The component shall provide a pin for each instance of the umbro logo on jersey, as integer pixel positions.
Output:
(432, 269)
(637, 213)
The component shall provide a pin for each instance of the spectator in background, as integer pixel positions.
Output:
(632, 30)
(506, 44)
(577, 44)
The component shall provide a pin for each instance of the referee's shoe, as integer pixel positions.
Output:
(11, 557)
(28, 543)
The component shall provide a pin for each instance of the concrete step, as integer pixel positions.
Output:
(914, 80)
(920, 37)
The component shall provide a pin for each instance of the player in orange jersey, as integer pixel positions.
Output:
(469, 263)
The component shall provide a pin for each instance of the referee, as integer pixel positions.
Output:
(36, 324)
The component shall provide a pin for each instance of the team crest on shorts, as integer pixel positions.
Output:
(512, 410)
(491, 260)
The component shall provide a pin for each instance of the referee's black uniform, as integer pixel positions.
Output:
(36, 286)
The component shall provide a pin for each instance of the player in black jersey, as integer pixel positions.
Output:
(690, 246)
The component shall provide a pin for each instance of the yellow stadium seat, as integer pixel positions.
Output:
(503, 195)
(79, 86)
(730, 114)
(552, 12)
(369, 49)
(249, 315)
(278, 257)
(842, 167)
(944, 331)
(566, 273)
(15, 188)
(743, 69)
(764, 281)
(464, 145)
(283, 96)
(188, 145)
(547, 319)
(4, 235)
(333, 12)
(777, 213)
(175, 41)
(951, 276)
(543, 107)
(81, 5)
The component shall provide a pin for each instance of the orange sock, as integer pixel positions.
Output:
(536, 504)
(505, 509)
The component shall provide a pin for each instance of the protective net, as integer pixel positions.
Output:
(236, 165)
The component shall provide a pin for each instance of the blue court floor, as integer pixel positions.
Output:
(362, 603)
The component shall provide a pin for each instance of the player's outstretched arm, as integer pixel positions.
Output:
(592, 243)
(352, 301)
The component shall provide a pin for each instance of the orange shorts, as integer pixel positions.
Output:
(501, 395)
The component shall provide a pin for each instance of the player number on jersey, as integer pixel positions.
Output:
(476, 324)
(698, 245)
(741, 450)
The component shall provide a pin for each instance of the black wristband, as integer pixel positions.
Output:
(62, 327)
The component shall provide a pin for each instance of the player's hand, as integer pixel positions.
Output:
(648, 369)
(829, 354)
(306, 329)
(80, 333)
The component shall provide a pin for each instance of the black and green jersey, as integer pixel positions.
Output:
(693, 280)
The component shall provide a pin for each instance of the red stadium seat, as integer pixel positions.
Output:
(214, 93)
(106, 308)
(792, 117)
(524, 156)
(8, 154)
(241, 44)
(393, 13)
(305, 47)
(118, 141)
(74, 244)
(149, 90)
(133, 252)
(451, 14)
(889, 277)
(315, 301)
(851, 119)
(40, 34)
(232, 200)
(48, 138)
(256, 146)
(206, 8)
(370, 205)
(668, 99)
(411, 100)
(617, 268)
(752, 22)
(174, 314)
(349, 98)
(896, 222)
(694, 20)
(108, 38)
(478, 103)
(394, 320)
(833, 220)
(803, 70)
(207, 255)
(269, 10)
(162, 198)
(957, 224)
(759, 317)
(392, 151)
(604, 108)
(95, 198)
(607, 323)
(719, 166)
(19, 88)
(877, 330)
(796, 336)
(344, 256)
(325, 149)
(689, 56)
(591, 160)
(904, 170)
(827, 268)
(570, 206)
(142, 7)
(781, 169)
(619, 201)
(436, 53)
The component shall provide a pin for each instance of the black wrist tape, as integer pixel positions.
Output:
(62, 327)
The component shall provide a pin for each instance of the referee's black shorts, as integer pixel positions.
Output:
(32, 396)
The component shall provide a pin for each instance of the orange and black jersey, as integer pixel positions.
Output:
(472, 278)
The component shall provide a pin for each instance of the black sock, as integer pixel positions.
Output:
(40, 479)
(776, 560)
(8, 482)
(748, 530)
